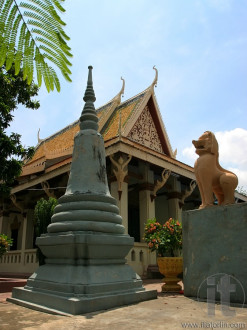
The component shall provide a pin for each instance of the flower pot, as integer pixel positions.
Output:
(170, 267)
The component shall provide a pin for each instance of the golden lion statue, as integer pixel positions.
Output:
(210, 176)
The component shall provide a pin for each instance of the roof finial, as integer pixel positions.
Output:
(39, 139)
(154, 83)
(121, 93)
(123, 87)
(89, 119)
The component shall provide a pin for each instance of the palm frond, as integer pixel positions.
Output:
(34, 38)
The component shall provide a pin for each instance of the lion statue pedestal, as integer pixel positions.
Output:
(210, 176)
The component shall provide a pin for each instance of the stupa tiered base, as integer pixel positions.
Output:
(76, 285)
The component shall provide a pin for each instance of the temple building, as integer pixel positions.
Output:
(143, 175)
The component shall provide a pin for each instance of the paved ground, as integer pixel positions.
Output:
(169, 311)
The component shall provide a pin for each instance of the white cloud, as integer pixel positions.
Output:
(190, 154)
(233, 147)
(232, 153)
(242, 177)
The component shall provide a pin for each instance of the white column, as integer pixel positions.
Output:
(4, 225)
(23, 238)
(147, 210)
(1, 224)
(173, 208)
(174, 198)
(147, 207)
(122, 203)
(30, 229)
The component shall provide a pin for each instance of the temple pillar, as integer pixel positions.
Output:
(147, 210)
(121, 203)
(147, 206)
(30, 229)
(4, 224)
(1, 223)
(174, 197)
(119, 188)
(23, 238)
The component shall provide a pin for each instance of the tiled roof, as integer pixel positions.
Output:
(102, 109)
(62, 140)
(113, 118)
(120, 117)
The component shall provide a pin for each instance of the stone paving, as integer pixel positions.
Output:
(169, 311)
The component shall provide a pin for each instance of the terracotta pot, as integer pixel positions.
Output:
(170, 267)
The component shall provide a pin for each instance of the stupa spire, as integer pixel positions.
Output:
(89, 92)
(89, 119)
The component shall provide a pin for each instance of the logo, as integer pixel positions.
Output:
(221, 291)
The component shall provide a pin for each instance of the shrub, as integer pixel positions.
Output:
(165, 239)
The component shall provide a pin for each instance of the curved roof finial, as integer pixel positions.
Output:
(121, 93)
(123, 87)
(154, 83)
(39, 139)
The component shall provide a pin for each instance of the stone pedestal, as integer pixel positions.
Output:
(85, 248)
(214, 242)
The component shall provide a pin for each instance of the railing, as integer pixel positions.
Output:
(19, 261)
(140, 257)
(11, 257)
(26, 261)
(30, 256)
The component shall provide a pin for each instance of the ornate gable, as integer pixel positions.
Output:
(145, 133)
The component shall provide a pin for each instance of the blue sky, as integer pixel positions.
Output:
(199, 48)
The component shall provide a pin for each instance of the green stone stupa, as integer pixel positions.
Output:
(85, 248)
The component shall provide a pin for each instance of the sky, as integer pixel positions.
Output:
(200, 50)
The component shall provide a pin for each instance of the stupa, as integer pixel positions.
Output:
(85, 268)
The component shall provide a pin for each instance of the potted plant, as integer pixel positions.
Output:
(5, 242)
(166, 240)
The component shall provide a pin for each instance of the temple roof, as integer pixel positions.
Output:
(137, 119)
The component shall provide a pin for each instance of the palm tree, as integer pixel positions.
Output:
(31, 36)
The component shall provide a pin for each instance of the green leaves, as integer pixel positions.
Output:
(32, 38)
(5, 242)
(166, 238)
(14, 90)
(43, 212)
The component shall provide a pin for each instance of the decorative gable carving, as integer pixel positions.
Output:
(144, 131)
